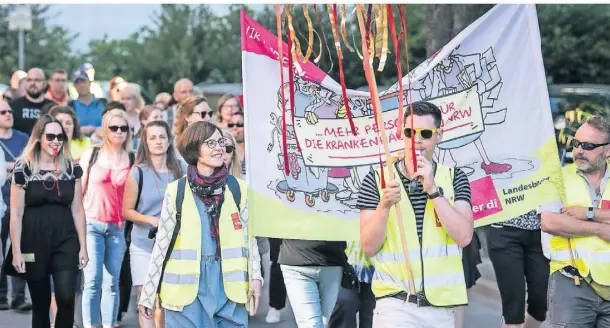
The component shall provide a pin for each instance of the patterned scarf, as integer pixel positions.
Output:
(210, 191)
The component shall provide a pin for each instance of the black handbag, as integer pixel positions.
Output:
(349, 280)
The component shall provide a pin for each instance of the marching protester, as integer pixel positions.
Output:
(147, 114)
(47, 222)
(77, 142)
(17, 84)
(230, 156)
(354, 307)
(163, 98)
(236, 127)
(577, 234)
(431, 193)
(190, 110)
(183, 89)
(156, 165)
(57, 88)
(204, 264)
(106, 169)
(132, 99)
(27, 109)
(13, 143)
(226, 107)
(115, 86)
(87, 107)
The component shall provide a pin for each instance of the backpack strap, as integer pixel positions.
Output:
(179, 200)
(132, 158)
(94, 153)
(140, 183)
(235, 190)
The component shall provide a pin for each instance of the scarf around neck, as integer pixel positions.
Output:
(210, 190)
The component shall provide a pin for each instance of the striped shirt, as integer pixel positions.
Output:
(368, 197)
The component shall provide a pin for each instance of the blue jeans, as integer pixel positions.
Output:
(106, 247)
(312, 291)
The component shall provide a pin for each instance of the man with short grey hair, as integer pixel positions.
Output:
(183, 89)
(577, 234)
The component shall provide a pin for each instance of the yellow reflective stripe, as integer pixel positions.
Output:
(236, 252)
(597, 257)
(184, 254)
(235, 276)
(439, 280)
(414, 255)
(179, 279)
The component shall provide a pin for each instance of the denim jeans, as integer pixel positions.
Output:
(106, 248)
(312, 291)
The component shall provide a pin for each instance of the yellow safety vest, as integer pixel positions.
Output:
(436, 266)
(591, 254)
(181, 277)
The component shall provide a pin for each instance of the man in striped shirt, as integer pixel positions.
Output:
(400, 307)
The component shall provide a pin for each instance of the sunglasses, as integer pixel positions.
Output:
(586, 145)
(115, 128)
(204, 113)
(424, 133)
(60, 137)
(3, 112)
(239, 125)
(212, 143)
(229, 149)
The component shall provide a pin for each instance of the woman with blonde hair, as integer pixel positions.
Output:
(230, 157)
(77, 142)
(226, 107)
(106, 168)
(47, 222)
(190, 110)
(132, 99)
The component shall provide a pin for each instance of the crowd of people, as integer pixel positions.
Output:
(104, 195)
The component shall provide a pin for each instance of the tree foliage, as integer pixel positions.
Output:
(192, 41)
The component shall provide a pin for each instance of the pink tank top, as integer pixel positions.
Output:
(104, 199)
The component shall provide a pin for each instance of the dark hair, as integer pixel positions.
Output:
(113, 105)
(58, 71)
(221, 102)
(193, 137)
(143, 153)
(63, 109)
(240, 113)
(424, 108)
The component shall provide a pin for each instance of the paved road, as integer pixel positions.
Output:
(484, 309)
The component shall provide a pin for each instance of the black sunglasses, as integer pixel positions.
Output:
(425, 133)
(229, 149)
(3, 112)
(239, 125)
(115, 128)
(205, 113)
(60, 137)
(586, 145)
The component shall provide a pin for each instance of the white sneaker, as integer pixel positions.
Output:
(273, 316)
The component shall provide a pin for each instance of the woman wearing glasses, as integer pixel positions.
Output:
(231, 155)
(227, 106)
(47, 222)
(106, 169)
(77, 142)
(211, 268)
(190, 110)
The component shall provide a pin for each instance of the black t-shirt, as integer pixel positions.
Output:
(312, 253)
(26, 113)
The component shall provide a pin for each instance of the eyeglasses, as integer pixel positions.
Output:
(212, 143)
(115, 128)
(239, 125)
(60, 137)
(586, 145)
(205, 113)
(4, 112)
(229, 149)
(424, 133)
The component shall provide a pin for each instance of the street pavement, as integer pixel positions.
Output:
(484, 310)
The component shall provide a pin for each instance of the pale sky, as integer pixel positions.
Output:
(92, 21)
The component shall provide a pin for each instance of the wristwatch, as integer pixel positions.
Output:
(438, 193)
(590, 214)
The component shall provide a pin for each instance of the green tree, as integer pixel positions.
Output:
(46, 46)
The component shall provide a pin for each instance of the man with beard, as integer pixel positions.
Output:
(577, 234)
(27, 110)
